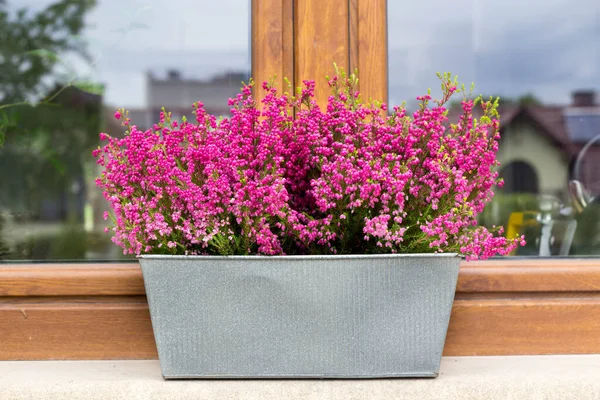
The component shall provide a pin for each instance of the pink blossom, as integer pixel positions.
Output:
(285, 176)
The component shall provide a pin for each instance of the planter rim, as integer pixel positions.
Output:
(301, 257)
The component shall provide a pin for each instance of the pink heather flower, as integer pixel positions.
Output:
(285, 176)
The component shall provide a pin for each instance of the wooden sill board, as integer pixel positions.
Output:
(99, 311)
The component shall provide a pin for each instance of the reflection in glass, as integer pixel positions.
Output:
(543, 59)
(65, 67)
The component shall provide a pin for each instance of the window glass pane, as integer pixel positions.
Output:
(543, 59)
(65, 67)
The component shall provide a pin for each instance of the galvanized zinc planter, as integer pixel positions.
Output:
(350, 316)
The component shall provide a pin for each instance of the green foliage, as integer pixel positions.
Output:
(3, 246)
(527, 99)
(41, 121)
(44, 155)
(30, 45)
(498, 211)
(587, 234)
(502, 205)
(31, 68)
(89, 87)
(49, 118)
(70, 243)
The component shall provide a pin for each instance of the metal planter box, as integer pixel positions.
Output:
(351, 316)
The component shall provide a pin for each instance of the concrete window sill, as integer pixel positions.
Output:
(464, 378)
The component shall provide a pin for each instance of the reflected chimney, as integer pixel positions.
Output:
(584, 98)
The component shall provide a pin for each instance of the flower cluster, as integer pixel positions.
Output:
(286, 177)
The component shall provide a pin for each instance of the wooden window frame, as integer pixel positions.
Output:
(502, 307)
(99, 311)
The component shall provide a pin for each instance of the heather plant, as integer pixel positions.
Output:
(284, 176)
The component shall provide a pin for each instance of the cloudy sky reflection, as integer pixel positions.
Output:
(510, 47)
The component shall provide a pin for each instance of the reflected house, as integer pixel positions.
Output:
(177, 94)
(540, 144)
(537, 152)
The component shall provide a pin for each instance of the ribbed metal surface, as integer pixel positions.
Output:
(302, 317)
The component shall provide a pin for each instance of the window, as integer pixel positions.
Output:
(78, 60)
(506, 306)
(519, 177)
(541, 58)
(65, 67)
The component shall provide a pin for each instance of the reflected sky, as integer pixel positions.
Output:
(200, 38)
(509, 47)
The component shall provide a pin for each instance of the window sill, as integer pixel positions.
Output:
(464, 378)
